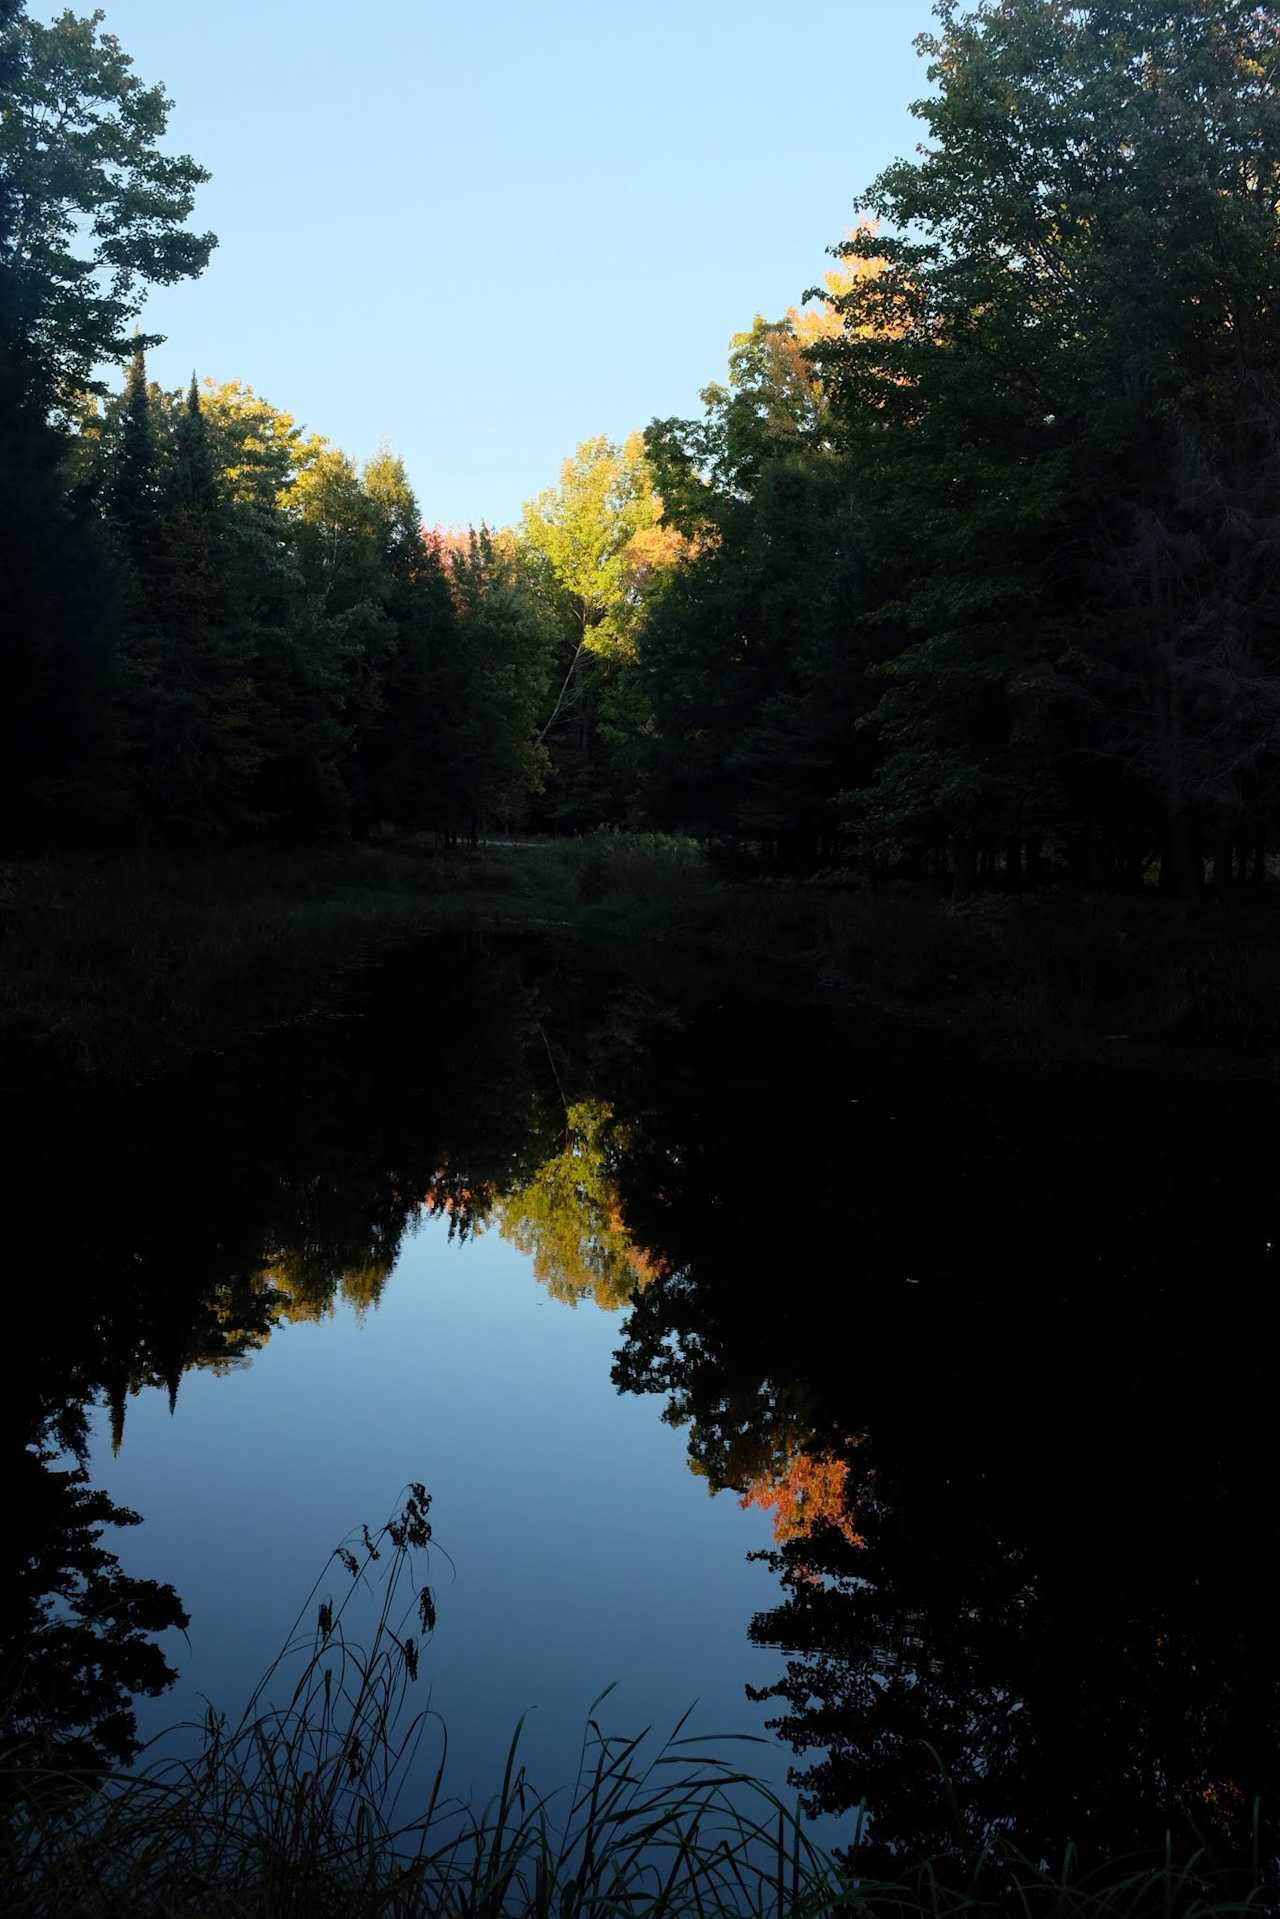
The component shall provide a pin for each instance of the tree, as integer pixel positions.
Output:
(774, 406)
(754, 665)
(91, 210)
(598, 552)
(60, 773)
(488, 676)
(260, 450)
(189, 638)
(401, 775)
(1079, 276)
(131, 493)
(584, 531)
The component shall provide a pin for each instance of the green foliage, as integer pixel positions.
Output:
(584, 530)
(91, 210)
(59, 773)
(597, 553)
(964, 570)
(753, 665)
(489, 680)
(1059, 377)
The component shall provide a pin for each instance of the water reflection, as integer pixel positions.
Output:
(1004, 1396)
(1004, 1378)
(76, 1631)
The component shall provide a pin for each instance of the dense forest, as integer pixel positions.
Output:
(968, 567)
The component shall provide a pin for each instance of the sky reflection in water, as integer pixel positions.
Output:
(586, 1553)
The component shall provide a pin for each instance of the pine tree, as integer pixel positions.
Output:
(131, 497)
(193, 486)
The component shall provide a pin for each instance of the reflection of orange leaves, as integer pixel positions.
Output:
(460, 1200)
(643, 1264)
(811, 1492)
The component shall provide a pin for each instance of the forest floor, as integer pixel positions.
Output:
(119, 967)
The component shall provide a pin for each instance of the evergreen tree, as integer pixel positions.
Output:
(132, 493)
(401, 776)
(490, 674)
(59, 764)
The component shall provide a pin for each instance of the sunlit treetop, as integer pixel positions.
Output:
(261, 450)
(773, 404)
(597, 533)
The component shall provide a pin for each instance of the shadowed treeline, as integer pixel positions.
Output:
(964, 573)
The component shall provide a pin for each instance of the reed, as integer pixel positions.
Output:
(304, 1810)
(304, 1807)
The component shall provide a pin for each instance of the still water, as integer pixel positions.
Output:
(925, 1418)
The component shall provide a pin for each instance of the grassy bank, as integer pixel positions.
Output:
(121, 967)
(317, 1803)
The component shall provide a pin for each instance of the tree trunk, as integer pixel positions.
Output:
(1181, 870)
(964, 860)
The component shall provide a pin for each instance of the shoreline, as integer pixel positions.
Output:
(118, 969)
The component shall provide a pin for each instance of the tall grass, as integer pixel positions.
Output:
(304, 1808)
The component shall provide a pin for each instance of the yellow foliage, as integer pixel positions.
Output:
(568, 1219)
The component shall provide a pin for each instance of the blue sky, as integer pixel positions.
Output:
(483, 232)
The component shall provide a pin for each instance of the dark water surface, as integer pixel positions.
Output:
(641, 1281)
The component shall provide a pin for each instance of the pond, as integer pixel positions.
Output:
(752, 1363)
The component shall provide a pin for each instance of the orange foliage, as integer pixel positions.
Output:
(824, 321)
(652, 551)
(810, 1492)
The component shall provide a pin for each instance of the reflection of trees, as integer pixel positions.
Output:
(1022, 1505)
(1076, 1633)
(1039, 1569)
(568, 1217)
(808, 1495)
(257, 1194)
(299, 1294)
(205, 1214)
(75, 1629)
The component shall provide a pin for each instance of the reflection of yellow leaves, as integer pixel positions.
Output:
(302, 1297)
(568, 1219)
